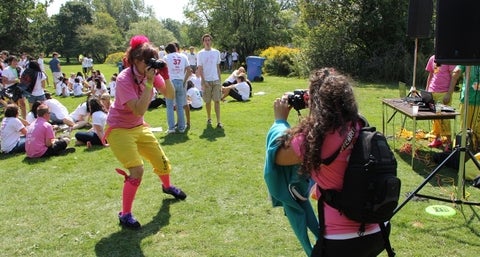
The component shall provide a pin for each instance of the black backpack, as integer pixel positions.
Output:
(371, 188)
(28, 80)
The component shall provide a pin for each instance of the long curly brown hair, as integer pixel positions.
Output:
(332, 107)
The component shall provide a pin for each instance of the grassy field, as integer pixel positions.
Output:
(68, 205)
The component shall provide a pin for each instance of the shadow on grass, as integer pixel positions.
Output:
(211, 134)
(424, 169)
(29, 160)
(128, 242)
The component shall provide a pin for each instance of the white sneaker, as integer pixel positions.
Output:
(171, 131)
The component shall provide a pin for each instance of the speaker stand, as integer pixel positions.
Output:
(460, 197)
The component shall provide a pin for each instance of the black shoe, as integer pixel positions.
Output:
(128, 221)
(176, 192)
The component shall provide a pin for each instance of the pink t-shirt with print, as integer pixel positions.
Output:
(37, 134)
(331, 177)
(120, 116)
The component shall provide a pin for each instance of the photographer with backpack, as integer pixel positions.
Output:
(321, 144)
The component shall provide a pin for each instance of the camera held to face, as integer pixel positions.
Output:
(299, 99)
(155, 63)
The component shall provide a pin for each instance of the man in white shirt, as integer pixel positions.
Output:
(192, 59)
(208, 63)
(179, 70)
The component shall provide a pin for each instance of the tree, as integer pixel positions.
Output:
(15, 20)
(72, 15)
(153, 29)
(248, 26)
(365, 38)
(100, 38)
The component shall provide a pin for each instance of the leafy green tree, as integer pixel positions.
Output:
(247, 25)
(153, 29)
(366, 38)
(100, 38)
(72, 15)
(15, 21)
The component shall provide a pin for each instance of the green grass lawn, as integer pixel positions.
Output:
(68, 205)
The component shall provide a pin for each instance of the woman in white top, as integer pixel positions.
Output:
(95, 135)
(194, 97)
(12, 131)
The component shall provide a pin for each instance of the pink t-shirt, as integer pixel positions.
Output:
(441, 76)
(37, 134)
(337, 226)
(119, 115)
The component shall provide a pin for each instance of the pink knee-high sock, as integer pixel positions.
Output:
(165, 180)
(129, 190)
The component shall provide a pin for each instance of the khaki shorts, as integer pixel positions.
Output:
(212, 91)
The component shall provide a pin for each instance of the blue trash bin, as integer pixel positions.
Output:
(254, 68)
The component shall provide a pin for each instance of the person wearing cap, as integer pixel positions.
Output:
(162, 52)
(240, 91)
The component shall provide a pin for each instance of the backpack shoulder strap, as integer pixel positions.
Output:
(348, 140)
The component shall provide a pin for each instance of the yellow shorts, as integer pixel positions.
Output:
(130, 145)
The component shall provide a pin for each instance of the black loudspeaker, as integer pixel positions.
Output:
(420, 18)
(457, 36)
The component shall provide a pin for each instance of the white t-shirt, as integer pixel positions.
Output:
(209, 59)
(10, 133)
(30, 118)
(195, 97)
(80, 112)
(101, 91)
(243, 89)
(113, 85)
(77, 89)
(41, 64)
(58, 108)
(11, 74)
(38, 89)
(99, 118)
(59, 88)
(234, 56)
(85, 62)
(192, 58)
(177, 64)
(197, 81)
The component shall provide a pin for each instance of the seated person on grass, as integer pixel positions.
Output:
(40, 139)
(95, 135)
(12, 131)
(194, 96)
(240, 91)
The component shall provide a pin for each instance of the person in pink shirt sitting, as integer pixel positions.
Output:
(40, 139)
(333, 111)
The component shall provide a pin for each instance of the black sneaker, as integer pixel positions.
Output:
(176, 192)
(128, 221)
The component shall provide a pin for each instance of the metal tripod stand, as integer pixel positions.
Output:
(463, 149)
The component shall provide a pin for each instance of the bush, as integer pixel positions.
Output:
(114, 58)
(280, 61)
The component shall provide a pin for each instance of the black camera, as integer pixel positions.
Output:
(155, 63)
(299, 99)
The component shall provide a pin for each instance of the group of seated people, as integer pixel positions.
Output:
(76, 85)
(36, 135)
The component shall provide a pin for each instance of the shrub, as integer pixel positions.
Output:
(114, 58)
(280, 60)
